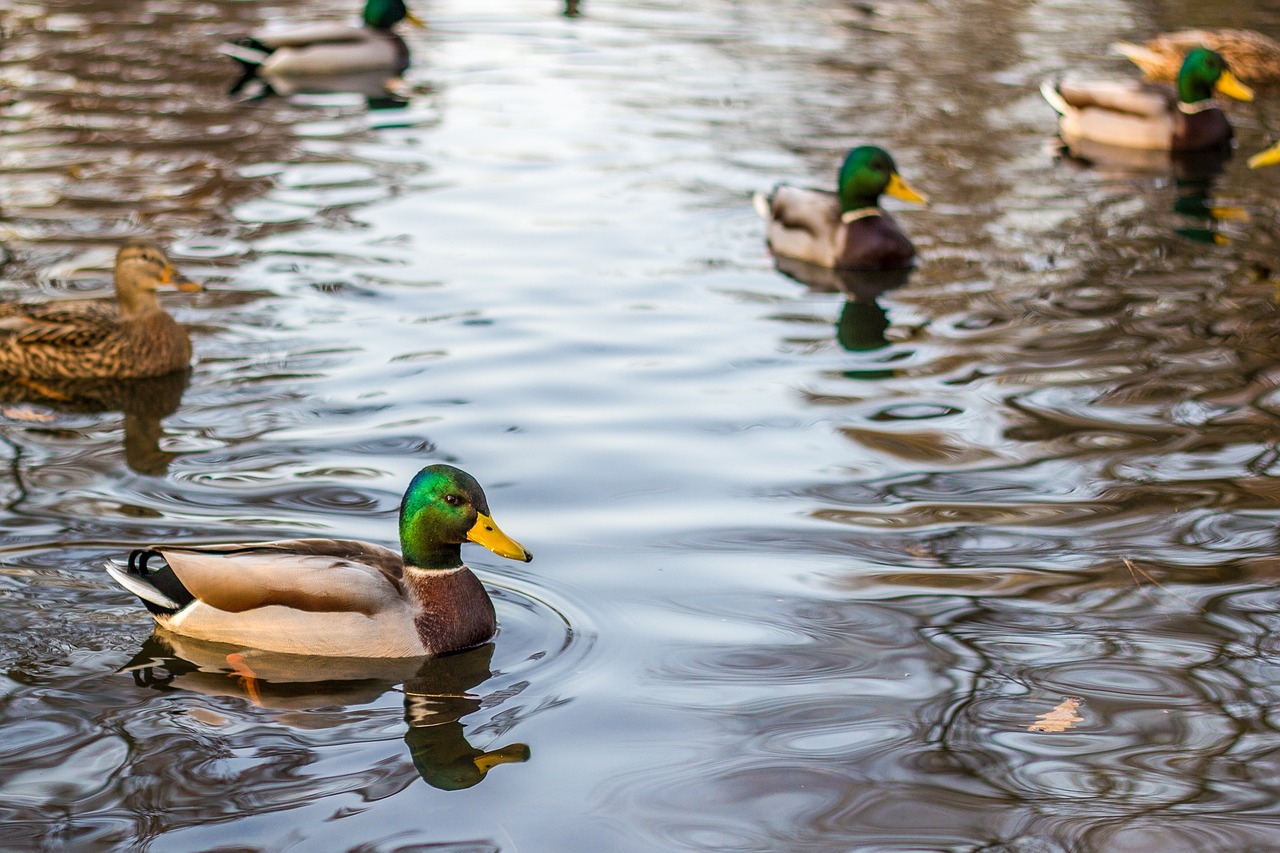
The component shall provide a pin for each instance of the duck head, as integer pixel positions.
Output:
(385, 14)
(1205, 71)
(141, 269)
(443, 507)
(869, 172)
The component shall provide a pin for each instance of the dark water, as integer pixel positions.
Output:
(807, 568)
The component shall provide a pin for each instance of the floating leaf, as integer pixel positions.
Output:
(1059, 719)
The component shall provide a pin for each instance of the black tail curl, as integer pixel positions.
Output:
(161, 577)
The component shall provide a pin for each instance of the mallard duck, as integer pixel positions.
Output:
(94, 340)
(1131, 114)
(1266, 157)
(336, 597)
(325, 49)
(1252, 56)
(846, 229)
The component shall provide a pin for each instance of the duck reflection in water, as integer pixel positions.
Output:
(863, 320)
(1193, 172)
(325, 58)
(436, 692)
(144, 403)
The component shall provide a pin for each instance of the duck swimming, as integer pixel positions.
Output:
(1131, 114)
(85, 339)
(336, 597)
(325, 50)
(846, 229)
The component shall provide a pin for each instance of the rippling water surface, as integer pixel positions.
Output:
(808, 567)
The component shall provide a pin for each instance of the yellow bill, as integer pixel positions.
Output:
(898, 189)
(485, 532)
(414, 19)
(1267, 157)
(1231, 87)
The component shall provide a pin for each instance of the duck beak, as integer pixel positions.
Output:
(1269, 157)
(1231, 87)
(178, 281)
(415, 20)
(898, 189)
(485, 532)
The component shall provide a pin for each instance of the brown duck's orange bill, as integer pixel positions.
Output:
(898, 189)
(485, 532)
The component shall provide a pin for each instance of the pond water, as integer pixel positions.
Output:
(808, 567)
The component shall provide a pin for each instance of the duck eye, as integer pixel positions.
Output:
(452, 500)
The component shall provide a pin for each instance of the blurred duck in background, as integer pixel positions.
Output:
(1131, 114)
(846, 229)
(322, 56)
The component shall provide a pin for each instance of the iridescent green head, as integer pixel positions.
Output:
(385, 14)
(1204, 71)
(443, 507)
(869, 172)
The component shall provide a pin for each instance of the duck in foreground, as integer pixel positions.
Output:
(84, 339)
(324, 49)
(846, 229)
(336, 597)
(1252, 56)
(1131, 114)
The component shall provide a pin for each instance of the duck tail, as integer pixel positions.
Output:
(1141, 56)
(246, 50)
(158, 587)
(1049, 90)
(249, 54)
(761, 203)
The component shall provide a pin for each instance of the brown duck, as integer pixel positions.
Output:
(1253, 57)
(87, 339)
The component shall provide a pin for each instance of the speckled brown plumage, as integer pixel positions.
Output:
(132, 339)
(1253, 57)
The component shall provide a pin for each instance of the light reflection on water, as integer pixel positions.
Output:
(811, 557)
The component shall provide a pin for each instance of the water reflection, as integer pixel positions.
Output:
(1194, 174)
(438, 694)
(144, 403)
(863, 320)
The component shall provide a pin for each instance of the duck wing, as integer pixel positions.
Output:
(72, 324)
(311, 34)
(1129, 97)
(1128, 114)
(311, 575)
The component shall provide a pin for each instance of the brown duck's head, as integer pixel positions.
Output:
(141, 269)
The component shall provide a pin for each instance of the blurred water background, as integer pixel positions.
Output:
(808, 564)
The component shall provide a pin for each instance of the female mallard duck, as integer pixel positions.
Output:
(337, 597)
(1252, 56)
(326, 49)
(846, 229)
(1131, 114)
(91, 340)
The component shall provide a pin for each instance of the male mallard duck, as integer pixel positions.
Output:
(337, 597)
(326, 49)
(1265, 157)
(1131, 114)
(1252, 56)
(90, 340)
(846, 229)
